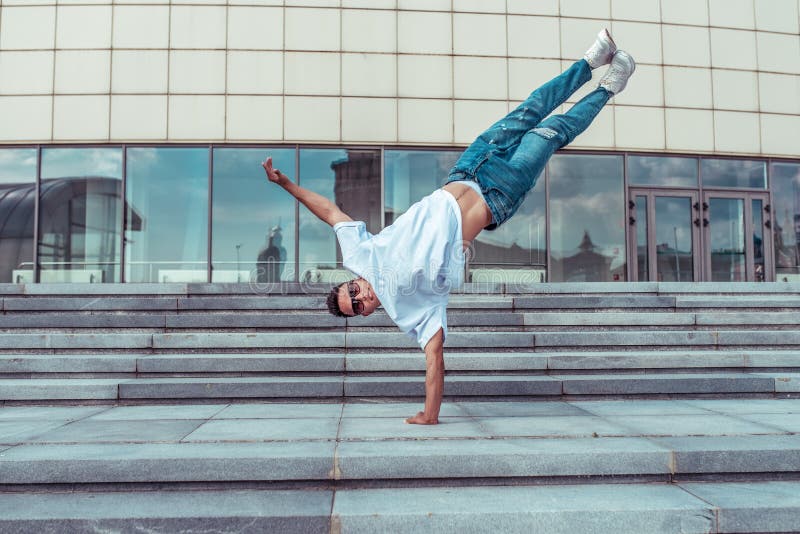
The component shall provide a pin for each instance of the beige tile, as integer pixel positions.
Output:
(312, 29)
(25, 118)
(369, 119)
(735, 90)
(197, 71)
(777, 15)
(255, 72)
(138, 117)
(424, 5)
(731, 14)
(778, 53)
(690, 130)
(736, 132)
(369, 30)
(578, 35)
(599, 134)
(197, 27)
(471, 117)
(311, 119)
(490, 28)
(424, 33)
(370, 74)
(26, 73)
(639, 128)
(600, 9)
(642, 40)
(83, 71)
(425, 121)
(28, 27)
(733, 49)
(254, 118)
(645, 88)
(311, 3)
(139, 71)
(530, 36)
(371, 4)
(686, 46)
(196, 117)
(638, 10)
(687, 87)
(130, 20)
(479, 6)
(779, 93)
(83, 27)
(779, 134)
(309, 73)
(684, 12)
(525, 75)
(425, 76)
(480, 78)
(255, 28)
(526, 7)
(80, 118)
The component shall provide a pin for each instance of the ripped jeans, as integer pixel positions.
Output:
(506, 159)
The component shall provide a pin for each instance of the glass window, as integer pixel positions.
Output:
(166, 226)
(664, 171)
(785, 180)
(733, 173)
(411, 175)
(587, 218)
(351, 179)
(80, 215)
(17, 212)
(253, 226)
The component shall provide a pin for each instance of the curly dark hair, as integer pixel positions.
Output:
(333, 301)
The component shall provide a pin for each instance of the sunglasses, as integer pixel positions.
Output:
(358, 306)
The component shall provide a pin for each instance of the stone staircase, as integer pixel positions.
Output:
(648, 407)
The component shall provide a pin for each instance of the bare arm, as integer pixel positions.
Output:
(320, 206)
(434, 382)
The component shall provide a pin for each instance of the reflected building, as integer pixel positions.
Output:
(271, 258)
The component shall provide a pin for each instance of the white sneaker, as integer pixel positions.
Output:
(602, 51)
(616, 77)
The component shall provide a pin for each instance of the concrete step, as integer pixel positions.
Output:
(384, 386)
(556, 509)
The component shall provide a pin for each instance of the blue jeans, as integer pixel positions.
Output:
(506, 159)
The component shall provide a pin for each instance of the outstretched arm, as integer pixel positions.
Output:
(320, 206)
(434, 382)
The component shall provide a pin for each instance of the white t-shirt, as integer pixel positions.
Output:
(412, 264)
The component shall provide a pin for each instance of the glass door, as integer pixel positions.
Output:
(665, 235)
(738, 241)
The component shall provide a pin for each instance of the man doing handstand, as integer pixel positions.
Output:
(410, 267)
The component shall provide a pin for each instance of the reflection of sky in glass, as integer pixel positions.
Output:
(17, 165)
(62, 162)
(317, 240)
(412, 174)
(664, 171)
(246, 206)
(168, 188)
(733, 173)
(674, 223)
(586, 197)
(785, 180)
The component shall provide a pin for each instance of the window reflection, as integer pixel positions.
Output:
(166, 234)
(17, 212)
(662, 171)
(727, 239)
(350, 178)
(733, 173)
(253, 226)
(587, 232)
(411, 175)
(785, 180)
(80, 217)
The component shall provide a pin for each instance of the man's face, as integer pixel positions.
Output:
(357, 296)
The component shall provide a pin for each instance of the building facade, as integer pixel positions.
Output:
(131, 135)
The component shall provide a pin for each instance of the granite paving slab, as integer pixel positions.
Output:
(773, 358)
(591, 509)
(521, 409)
(212, 363)
(105, 289)
(609, 318)
(777, 338)
(397, 410)
(639, 407)
(251, 430)
(381, 386)
(280, 411)
(662, 359)
(786, 382)
(665, 383)
(201, 340)
(241, 511)
(588, 288)
(480, 302)
(322, 319)
(49, 303)
(166, 462)
(587, 301)
(752, 506)
(19, 431)
(454, 361)
(12, 289)
(66, 388)
(746, 406)
(726, 288)
(82, 320)
(276, 302)
(572, 426)
(156, 411)
(631, 338)
(786, 422)
(50, 413)
(737, 301)
(471, 340)
(374, 428)
(67, 363)
(175, 388)
(691, 425)
(454, 458)
(748, 318)
(111, 431)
